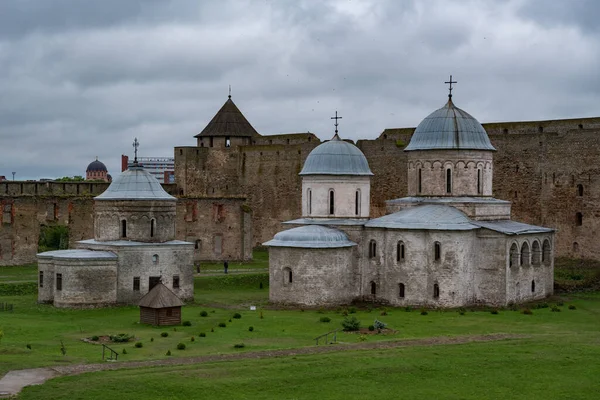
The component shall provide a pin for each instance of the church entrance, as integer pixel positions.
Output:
(154, 280)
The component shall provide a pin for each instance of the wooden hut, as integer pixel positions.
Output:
(160, 306)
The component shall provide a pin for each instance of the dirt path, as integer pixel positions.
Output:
(14, 381)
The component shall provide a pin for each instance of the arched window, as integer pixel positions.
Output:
(420, 182)
(227, 141)
(578, 219)
(448, 180)
(373, 288)
(525, 254)
(155, 258)
(580, 190)
(331, 202)
(372, 249)
(309, 201)
(575, 247)
(532, 286)
(287, 276)
(123, 228)
(536, 253)
(401, 290)
(357, 202)
(436, 291)
(546, 250)
(437, 251)
(400, 251)
(152, 223)
(479, 181)
(514, 255)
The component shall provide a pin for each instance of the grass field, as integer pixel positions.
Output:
(558, 357)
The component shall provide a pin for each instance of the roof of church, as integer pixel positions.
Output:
(79, 254)
(160, 297)
(228, 121)
(509, 227)
(427, 216)
(311, 236)
(336, 157)
(135, 184)
(449, 128)
(96, 166)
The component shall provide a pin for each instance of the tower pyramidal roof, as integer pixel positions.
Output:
(229, 121)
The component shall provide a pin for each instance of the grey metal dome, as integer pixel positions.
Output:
(311, 236)
(96, 166)
(135, 184)
(450, 128)
(336, 157)
(428, 216)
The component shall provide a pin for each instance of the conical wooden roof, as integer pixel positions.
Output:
(160, 297)
(228, 121)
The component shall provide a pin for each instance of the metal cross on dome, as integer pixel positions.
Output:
(336, 122)
(136, 144)
(450, 82)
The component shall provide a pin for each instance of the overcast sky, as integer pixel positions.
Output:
(80, 79)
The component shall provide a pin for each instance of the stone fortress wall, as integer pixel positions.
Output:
(234, 198)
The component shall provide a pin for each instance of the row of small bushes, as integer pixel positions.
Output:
(18, 289)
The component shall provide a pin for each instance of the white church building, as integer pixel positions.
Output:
(448, 244)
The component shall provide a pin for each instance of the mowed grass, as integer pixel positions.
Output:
(540, 368)
(260, 260)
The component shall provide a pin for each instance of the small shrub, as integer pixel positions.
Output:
(164, 334)
(180, 346)
(203, 314)
(95, 338)
(494, 312)
(192, 339)
(572, 307)
(560, 303)
(362, 338)
(124, 351)
(202, 334)
(371, 328)
(352, 310)
(229, 319)
(186, 323)
(239, 346)
(345, 313)
(527, 311)
(424, 312)
(261, 315)
(168, 353)
(28, 346)
(555, 309)
(461, 313)
(542, 305)
(324, 319)
(251, 328)
(463, 310)
(121, 338)
(379, 325)
(350, 324)
(260, 286)
(222, 324)
(408, 309)
(152, 339)
(212, 329)
(383, 312)
(237, 315)
(139, 345)
(212, 311)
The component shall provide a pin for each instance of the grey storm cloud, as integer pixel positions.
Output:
(80, 79)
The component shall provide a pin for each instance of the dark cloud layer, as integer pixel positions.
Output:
(81, 79)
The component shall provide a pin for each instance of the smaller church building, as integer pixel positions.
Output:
(133, 250)
(450, 243)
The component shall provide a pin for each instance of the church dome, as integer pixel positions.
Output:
(450, 128)
(135, 184)
(96, 166)
(336, 157)
(311, 236)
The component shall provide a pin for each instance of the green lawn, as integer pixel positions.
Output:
(260, 260)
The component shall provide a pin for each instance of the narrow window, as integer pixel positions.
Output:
(546, 250)
(419, 183)
(357, 203)
(479, 181)
(578, 219)
(180, 152)
(152, 223)
(211, 141)
(448, 180)
(514, 255)
(136, 283)
(436, 291)
(123, 229)
(532, 286)
(400, 251)
(290, 276)
(227, 142)
(309, 200)
(580, 190)
(58, 281)
(525, 254)
(373, 288)
(331, 202)
(287, 276)
(198, 244)
(575, 247)
(41, 278)
(175, 281)
(437, 249)
(155, 258)
(401, 290)
(372, 249)
(535, 253)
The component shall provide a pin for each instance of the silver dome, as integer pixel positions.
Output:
(450, 128)
(427, 217)
(311, 236)
(336, 157)
(135, 184)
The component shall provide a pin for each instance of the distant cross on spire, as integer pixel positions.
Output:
(229, 92)
(450, 82)
(336, 122)
(136, 144)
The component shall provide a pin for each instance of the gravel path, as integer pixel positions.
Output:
(14, 381)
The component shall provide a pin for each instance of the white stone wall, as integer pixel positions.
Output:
(85, 283)
(464, 165)
(344, 187)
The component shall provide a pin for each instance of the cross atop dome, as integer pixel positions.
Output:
(450, 82)
(336, 122)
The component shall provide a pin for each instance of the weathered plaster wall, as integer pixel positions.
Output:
(344, 190)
